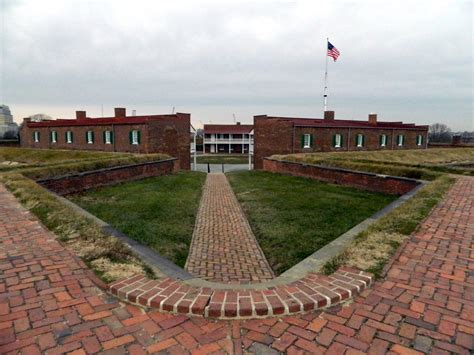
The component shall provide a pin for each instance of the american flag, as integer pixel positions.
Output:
(332, 51)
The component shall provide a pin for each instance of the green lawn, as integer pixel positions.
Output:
(158, 212)
(292, 217)
(226, 159)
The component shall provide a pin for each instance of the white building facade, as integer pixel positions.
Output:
(228, 139)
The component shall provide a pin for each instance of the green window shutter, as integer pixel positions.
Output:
(139, 136)
(87, 136)
(34, 136)
(130, 137)
(302, 141)
(342, 140)
(421, 140)
(381, 140)
(93, 139)
(363, 140)
(103, 136)
(111, 137)
(334, 141)
(72, 137)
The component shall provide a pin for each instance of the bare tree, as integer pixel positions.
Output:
(439, 133)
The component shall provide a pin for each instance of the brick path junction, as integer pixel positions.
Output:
(425, 304)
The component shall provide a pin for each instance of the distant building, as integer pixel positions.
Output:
(228, 139)
(168, 134)
(8, 128)
(288, 135)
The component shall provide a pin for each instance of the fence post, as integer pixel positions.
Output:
(208, 168)
(222, 167)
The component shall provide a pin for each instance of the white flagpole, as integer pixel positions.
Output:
(326, 78)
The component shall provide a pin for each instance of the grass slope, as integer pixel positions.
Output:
(159, 212)
(292, 217)
(421, 164)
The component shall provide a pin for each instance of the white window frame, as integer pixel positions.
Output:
(36, 136)
(307, 140)
(90, 139)
(400, 140)
(383, 142)
(360, 140)
(69, 137)
(337, 141)
(135, 137)
(54, 137)
(108, 137)
(419, 140)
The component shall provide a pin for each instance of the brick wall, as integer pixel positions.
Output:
(271, 137)
(168, 134)
(362, 180)
(280, 136)
(73, 183)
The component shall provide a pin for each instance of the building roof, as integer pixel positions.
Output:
(320, 122)
(63, 122)
(228, 128)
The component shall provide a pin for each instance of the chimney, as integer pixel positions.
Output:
(373, 119)
(81, 115)
(329, 115)
(238, 123)
(120, 112)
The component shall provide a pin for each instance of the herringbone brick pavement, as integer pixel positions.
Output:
(223, 247)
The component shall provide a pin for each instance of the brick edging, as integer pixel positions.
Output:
(310, 293)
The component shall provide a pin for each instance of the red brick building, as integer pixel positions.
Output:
(285, 135)
(167, 134)
(227, 138)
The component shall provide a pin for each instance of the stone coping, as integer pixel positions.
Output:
(313, 292)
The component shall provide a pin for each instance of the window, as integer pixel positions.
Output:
(54, 137)
(108, 137)
(69, 137)
(400, 140)
(337, 141)
(360, 140)
(307, 140)
(36, 136)
(90, 137)
(134, 137)
(383, 140)
(419, 139)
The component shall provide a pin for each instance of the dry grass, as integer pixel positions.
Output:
(372, 248)
(107, 256)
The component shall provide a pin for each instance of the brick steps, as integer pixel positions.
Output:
(313, 292)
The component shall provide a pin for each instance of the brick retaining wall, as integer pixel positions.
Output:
(73, 183)
(367, 181)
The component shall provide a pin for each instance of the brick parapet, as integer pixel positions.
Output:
(73, 183)
(312, 292)
(368, 181)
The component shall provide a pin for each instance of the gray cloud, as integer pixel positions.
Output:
(406, 60)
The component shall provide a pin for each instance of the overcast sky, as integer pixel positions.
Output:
(405, 60)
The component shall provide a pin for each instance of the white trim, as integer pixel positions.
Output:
(307, 140)
(108, 137)
(69, 137)
(337, 141)
(36, 136)
(90, 139)
(135, 136)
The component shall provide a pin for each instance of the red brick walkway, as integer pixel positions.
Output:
(224, 248)
(48, 303)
